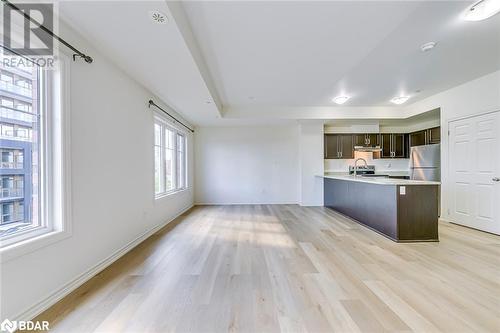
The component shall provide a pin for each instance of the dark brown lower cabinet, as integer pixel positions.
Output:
(403, 215)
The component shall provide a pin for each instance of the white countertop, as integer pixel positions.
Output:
(377, 180)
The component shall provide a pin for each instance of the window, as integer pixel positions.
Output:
(23, 107)
(6, 77)
(19, 185)
(11, 159)
(7, 102)
(33, 132)
(170, 158)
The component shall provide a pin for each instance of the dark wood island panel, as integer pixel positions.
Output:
(403, 213)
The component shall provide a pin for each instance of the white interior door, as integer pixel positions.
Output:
(474, 162)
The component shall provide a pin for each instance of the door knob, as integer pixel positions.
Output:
(495, 179)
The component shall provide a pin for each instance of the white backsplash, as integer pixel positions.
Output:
(382, 164)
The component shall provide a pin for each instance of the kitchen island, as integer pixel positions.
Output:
(401, 209)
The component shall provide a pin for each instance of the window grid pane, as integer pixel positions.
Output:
(181, 164)
(169, 150)
(20, 149)
(169, 160)
(159, 165)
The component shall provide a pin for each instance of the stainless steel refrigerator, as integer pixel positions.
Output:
(425, 162)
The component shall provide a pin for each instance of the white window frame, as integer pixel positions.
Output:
(55, 167)
(166, 124)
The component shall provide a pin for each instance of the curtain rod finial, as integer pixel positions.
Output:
(88, 59)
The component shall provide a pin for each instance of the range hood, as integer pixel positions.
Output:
(367, 148)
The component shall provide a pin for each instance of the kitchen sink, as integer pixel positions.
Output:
(384, 176)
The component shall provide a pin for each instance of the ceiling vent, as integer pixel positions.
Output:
(158, 17)
(428, 46)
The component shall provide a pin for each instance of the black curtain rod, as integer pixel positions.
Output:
(88, 59)
(151, 102)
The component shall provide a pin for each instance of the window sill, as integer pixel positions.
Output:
(26, 246)
(167, 194)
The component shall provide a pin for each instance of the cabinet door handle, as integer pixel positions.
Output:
(495, 179)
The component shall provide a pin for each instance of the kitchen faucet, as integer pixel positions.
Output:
(356, 165)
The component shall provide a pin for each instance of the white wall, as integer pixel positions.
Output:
(411, 126)
(112, 184)
(474, 97)
(246, 165)
(311, 163)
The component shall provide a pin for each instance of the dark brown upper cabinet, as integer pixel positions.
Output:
(434, 135)
(331, 146)
(399, 146)
(393, 145)
(366, 139)
(346, 146)
(418, 138)
(339, 146)
(386, 145)
(359, 139)
(425, 137)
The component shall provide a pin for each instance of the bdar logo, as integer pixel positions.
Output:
(8, 326)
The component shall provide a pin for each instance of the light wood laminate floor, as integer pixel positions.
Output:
(271, 268)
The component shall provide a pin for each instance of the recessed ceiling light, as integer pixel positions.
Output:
(340, 99)
(158, 17)
(482, 10)
(428, 46)
(400, 99)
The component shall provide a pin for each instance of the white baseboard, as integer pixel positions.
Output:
(444, 220)
(258, 203)
(243, 203)
(56, 296)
